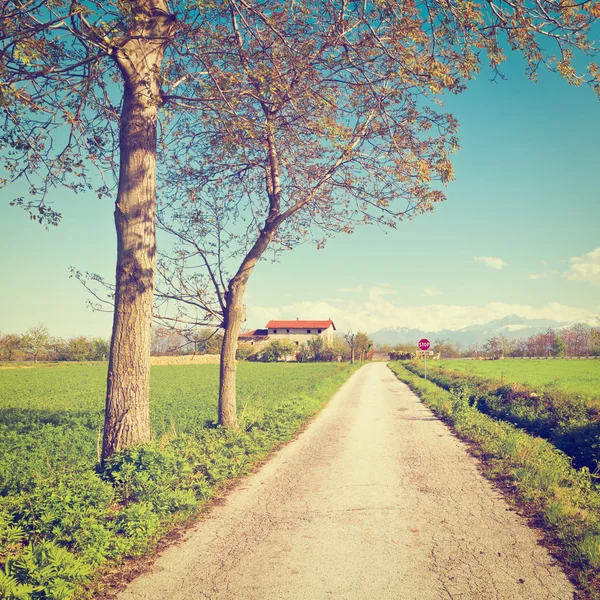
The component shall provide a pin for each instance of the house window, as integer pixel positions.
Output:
(274, 330)
(287, 330)
(308, 331)
(297, 342)
(319, 330)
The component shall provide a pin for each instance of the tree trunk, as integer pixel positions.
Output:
(127, 416)
(127, 419)
(234, 318)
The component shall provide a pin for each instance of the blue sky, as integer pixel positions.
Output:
(519, 233)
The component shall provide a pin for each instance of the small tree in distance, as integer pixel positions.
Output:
(316, 345)
(277, 350)
(350, 338)
(363, 344)
(35, 341)
(10, 346)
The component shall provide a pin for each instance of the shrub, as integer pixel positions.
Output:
(277, 350)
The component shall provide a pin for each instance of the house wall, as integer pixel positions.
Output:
(255, 344)
(301, 335)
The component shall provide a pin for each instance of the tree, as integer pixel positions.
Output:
(82, 83)
(100, 349)
(10, 346)
(316, 345)
(35, 341)
(493, 347)
(316, 117)
(277, 350)
(446, 348)
(79, 349)
(340, 348)
(595, 341)
(363, 344)
(576, 339)
(350, 338)
(321, 119)
(559, 346)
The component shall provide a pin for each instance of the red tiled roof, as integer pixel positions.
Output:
(297, 324)
(257, 333)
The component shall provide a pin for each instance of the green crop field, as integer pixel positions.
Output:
(50, 417)
(581, 375)
(61, 517)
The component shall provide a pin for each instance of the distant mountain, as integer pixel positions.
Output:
(512, 326)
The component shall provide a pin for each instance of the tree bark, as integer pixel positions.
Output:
(233, 318)
(234, 314)
(127, 416)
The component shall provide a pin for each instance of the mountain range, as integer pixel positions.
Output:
(512, 326)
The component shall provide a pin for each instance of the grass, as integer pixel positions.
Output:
(61, 519)
(542, 481)
(567, 418)
(581, 375)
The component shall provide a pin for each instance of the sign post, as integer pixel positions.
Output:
(424, 345)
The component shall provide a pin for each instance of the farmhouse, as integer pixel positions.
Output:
(298, 332)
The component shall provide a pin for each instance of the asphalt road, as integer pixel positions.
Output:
(376, 500)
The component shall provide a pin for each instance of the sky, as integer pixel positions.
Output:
(518, 234)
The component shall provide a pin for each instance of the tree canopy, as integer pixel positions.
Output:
(276, 121)
(317, 117)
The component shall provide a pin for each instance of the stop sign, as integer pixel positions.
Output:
(424, 344)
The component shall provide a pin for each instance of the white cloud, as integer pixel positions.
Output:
(379, 310)
(490, 261)
(586, 268)
(429, 291)
(539, 276)
(352, 290)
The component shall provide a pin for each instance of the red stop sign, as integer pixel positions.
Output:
(424, 344)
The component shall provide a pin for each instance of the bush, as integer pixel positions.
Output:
(244, 351)
(278, 350)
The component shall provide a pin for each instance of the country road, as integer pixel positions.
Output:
(376, 500)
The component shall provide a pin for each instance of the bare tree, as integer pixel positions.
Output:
(351, 340)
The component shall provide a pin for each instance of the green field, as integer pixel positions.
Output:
(61, 517)
(581, 375)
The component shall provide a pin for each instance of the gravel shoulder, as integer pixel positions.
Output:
(376, 499)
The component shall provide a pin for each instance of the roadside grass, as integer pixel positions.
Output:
(541, 478)
(576, 375)
(568, 419)
(62, 519)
